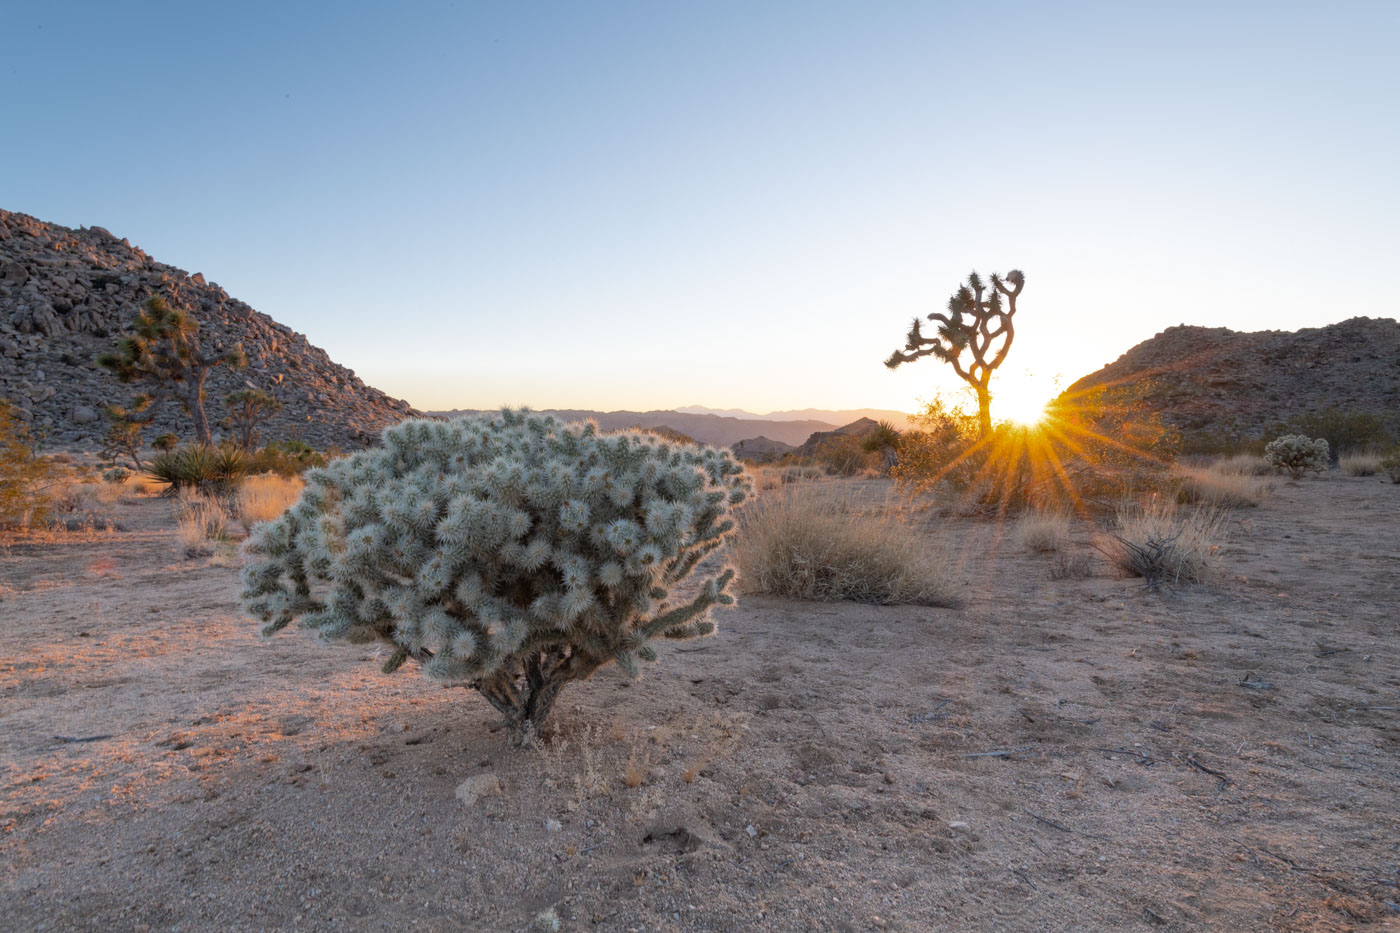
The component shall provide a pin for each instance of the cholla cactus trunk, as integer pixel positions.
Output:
(510, 553)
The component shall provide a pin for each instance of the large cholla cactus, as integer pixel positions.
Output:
(508, 552)
(1297, 453)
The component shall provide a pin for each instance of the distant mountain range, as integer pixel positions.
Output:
(717, 430)
(899, 419)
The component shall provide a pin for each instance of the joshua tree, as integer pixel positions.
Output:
(510, 553)
(248, 408)
(125, 427)
(163, 349)
(970, 331)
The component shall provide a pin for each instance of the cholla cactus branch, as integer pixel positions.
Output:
(973, 337)
(509, 553)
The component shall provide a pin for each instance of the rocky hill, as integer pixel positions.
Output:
(1220, 383)
(66, 295)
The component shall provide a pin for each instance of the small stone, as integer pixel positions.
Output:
(751, 831)
(477, 786)
(552, 825)
(959, 826)
(84, 415)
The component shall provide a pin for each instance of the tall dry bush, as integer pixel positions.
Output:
(1211, 487)
(1043, 531)
(803, 546)
(1244, 464)
(1361, 464)
(201, 523)
(264, 498)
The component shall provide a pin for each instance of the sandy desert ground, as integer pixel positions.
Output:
(1079, 754)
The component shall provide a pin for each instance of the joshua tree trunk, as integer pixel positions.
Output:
(194, 401)
(984, 410)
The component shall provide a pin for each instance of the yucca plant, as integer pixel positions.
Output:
(201, 467)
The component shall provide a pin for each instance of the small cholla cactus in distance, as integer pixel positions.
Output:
(1297, 453)
(508, 552)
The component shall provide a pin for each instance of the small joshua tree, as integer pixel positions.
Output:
(125, 427)
(1297, 453)
(248, 408)
(510, 552)
(970, 331)
(163, 349)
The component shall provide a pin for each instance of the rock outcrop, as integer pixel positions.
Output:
(760, 449)
(66, 295)
(858, 428)
(1215, 382)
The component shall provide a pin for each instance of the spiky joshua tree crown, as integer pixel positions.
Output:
(508, 552)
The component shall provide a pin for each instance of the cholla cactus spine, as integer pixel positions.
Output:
(508, 552)
(1297, 453)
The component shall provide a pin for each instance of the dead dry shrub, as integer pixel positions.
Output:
(1042, 531)
(814, 547)
(263, 498)
(202, 522)
(1218, 489)
(1161, 543)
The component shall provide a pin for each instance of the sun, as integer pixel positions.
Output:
(1021, 401)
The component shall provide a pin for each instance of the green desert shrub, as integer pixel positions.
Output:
(116, 475)
(200, 467)
(1345, 432)
(24, 475)
(509, 552)
(288, 458)
(1390, 465)
(1297, 454)
(805, 546)
(846, 455)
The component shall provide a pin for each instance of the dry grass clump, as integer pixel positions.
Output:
(802, 473)
(1043, 531)
(1242, 465)
(263, 498)
(1070, 565)
(813, 547)
(1160, 543)
(1219, 489)
(202, 522)
(1361, 465)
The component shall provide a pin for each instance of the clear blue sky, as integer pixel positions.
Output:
(646, 205)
